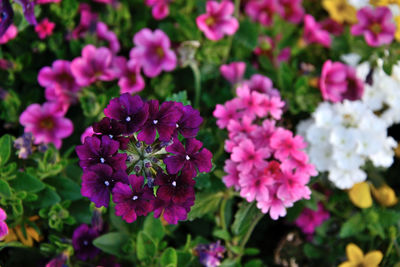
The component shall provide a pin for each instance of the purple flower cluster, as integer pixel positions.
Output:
(210, 255)
(145, 155)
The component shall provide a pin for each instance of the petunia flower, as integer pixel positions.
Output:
(82, 241)
(263, 11)
(262, 84)
(218, 20)
(28, 8)
(130, 81)
(10, 33)
(153, 52)
(356, 257)
(129, 110)
(45, 28)
(376, 25)
(162, 120)
(160, 8)
(3, 224)
(292, 10)
(103, 33)
(87, 21)
(98, 182)
(313, 32)
(340, 11)
(134, 200)
(233, 72)
(189, 158)
(95, 64)
(46, 123)
(104, 151)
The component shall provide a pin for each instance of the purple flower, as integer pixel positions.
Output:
(189, 123)
(133, 201)
(376, 25)
(161, 119)
(313, 32)
(131, 81)
(95, 64)
(153, 52)
(263, 85)
(104, 151)
(3, 224)
(172, 212)
(188, 158)
(82, 241)
(175, 188)
(24, 145)
(210, 255)
(28, 7)
(112, 129)
(98, 182)
(129, 110)
(6, 16)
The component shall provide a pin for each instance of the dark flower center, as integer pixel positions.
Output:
(160, 52)
(376, 28)
(47, 123)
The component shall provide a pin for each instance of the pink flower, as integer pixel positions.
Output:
(248, 157)
(88, 132)
(311, 219)
(339, 81)
(130, 81)
(232, 177)
(273, 105)
(160, 8)
(262, 84)
(45, 28)
(243, 126)
(376, 25)
(251, 102)
(88, 20)
(104, 34)
(3, 224)
(262, 135)
(274, 205)
(292, 10)
(41, 2)
(227, 112)
(218, 20)
(153, 52)
(285, 144)
(10, 34)
(46, 123)
(292, 187)
(95, 64)
(332, 26)
(313, 32)
(59, 82)
(300, 163)
(254, 186)
(263, 11)
(269, 48)
(233, 72)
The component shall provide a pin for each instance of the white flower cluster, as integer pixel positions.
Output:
(342, 137)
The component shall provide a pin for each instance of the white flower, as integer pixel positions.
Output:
(303, 127)
(384, 158)
(351, 112)
(321, 157)
(317, 135)
(359, 3)
(325, 116)
(351, 59)
(345, 179)
(347, 159)
(373, 98)
(368, 143)
(344, 138)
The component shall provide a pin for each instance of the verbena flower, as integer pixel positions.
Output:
(189, 123)
(45, 28)
(82, 241)
(174, 187)
(210, 255)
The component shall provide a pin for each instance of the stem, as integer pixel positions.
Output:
(197, 84)
(222, 212)
(237, 8)
(251, 229)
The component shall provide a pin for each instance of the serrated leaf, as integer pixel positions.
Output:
(244, 217)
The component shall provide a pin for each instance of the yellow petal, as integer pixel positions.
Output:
(373, 258)
(27, 241)
(32, 232)
(354, 253)
(11, 236)
(360, 195)
(346, 264)
(385, 195)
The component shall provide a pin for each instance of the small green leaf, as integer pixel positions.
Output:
(5, 190)
(244, 217)
(169, 258)
(153, 228)
(46, 198)
(206, 203)
(66, 188)
(222, 234)
(112, 243)
(5, 148)
(26, 182)
(352, 226)
(247, 34)
(145, 247)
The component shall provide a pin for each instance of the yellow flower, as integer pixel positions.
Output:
(340, 11)
(360, 195)
(358, 259)
(16, 234)
(397, 36)
(385, 195)
(384, 2)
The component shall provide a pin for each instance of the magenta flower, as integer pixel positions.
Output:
(45, 28)
(82, 241)
(3, 224)
(58, 261)
(103, 33)
(285, 144)
(189, 123)
(41, 2)
(112, 129)
(244, 127)
(262, 84)
(160, 8)
(332, 26)
(292, 10)
(88, 20)
(263, 11)
(98, 182)
(9, 34)
(95, 64)
(339, 81)
(189, 158)
(233, 72)
(59, 82)
(87, 133)
(226, 113)
(134, 200)
(46, 123)
(153, 52)
(210, 255)
(162, 120)
(311, 219)
(376, 25)
(249, 157)
(274, 205)
(131, 81)
(269, 47)
(129, 110)
(254, 186)
(218, 20)
(172, 212)
(232, 177)
(104, 151)
(251, 102)
(313, 32)
(174, 187)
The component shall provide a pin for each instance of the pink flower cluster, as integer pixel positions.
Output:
(310, 219)
(267, 163)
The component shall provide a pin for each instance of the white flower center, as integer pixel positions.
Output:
(187, 157)
(107, 183)
(128, 119)
(155, 121)
(85, 242)
(111, 136)
(135, 197)
(173, 183)
(102, 160)
(177, 125)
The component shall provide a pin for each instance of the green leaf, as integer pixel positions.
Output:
(66, 188)
(5, 190)
(153, 228)
(244, 217)
(312, 252)
(247, 34)
(145, 247)
(251, 251)
(5, 148)
(222, 234)
(26, 182)
(206, 203)
(254, 263)
(46, 198)
(112, 243)
(169, 258)
(184, 259)
(352, 226)
(179, 97)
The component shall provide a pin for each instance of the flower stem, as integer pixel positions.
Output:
(251, 229)
(222, 212)
(197, 84)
